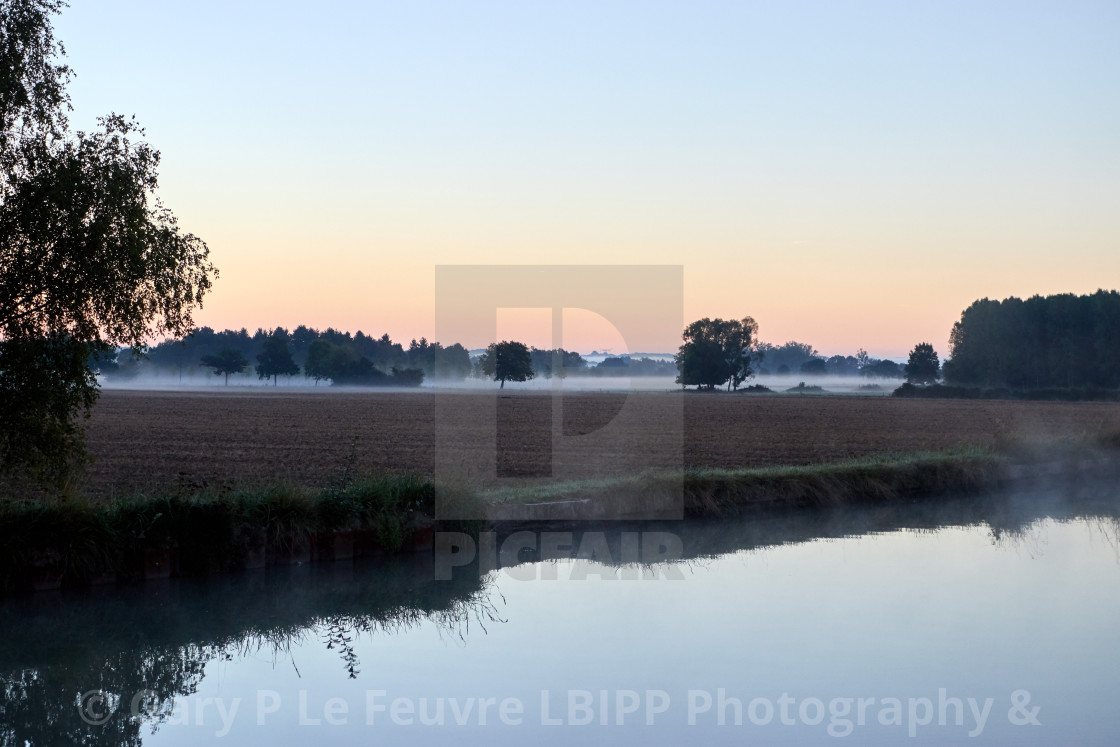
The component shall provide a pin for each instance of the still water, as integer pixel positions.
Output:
(988, 620)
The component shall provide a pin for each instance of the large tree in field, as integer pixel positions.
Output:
(716, 352)
(89, 257)
(318, 365)
(276, 358)
(225, 361)
(923, 366)
(507, 361)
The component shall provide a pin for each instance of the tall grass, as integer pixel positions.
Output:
(74, 543)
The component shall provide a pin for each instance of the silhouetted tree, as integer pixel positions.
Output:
(882, 369)
(1053, 341)
(346, 368)
(89, 258)
(225, 361)
(43, 382)
(814, 367)
(715, 352)
(453, 362)
(558, 362)
(302, 337)
(863, 360)
(507, 361)
(276, 358)
(318, 360)
(407, 376)
(382, 351)
(700, 364)
(787, 357)
(843, 365)
(923, 366)
(422, 355)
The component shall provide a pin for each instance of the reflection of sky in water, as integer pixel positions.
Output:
(900, 614)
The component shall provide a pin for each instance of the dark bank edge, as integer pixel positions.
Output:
(73, 544)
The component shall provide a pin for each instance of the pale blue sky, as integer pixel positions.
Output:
(848, 173)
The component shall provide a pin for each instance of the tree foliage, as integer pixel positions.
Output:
(276, 358)
(843, 365)
(1064, 340)
(923, 366)
(882, 369)
(716, 352)
(625, 365)
(43, 382)
(788, 356)
(544, 362)
(507, 361)
(435, 361)
(89, 257)
(225, 361)
(814, 367)
(452, 362)
(342, 366)
(318, 363)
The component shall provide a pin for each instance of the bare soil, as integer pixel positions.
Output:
(153, 440)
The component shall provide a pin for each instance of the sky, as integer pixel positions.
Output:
(849, 174)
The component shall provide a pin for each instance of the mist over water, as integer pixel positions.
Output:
(916, 601)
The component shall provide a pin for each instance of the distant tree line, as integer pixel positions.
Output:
(544, 364)
(557, 362)
(342, 358)
(625, 365)
(801, 358)
(1065, 340)
(338, 357)
(1042, 343)
(719, 352)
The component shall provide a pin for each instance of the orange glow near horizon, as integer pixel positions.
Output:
(847, 176)
(837, 312)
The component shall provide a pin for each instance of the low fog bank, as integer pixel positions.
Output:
(173, 382)
(569, 384)
(244, 384)
(251, 384)
(830, 384)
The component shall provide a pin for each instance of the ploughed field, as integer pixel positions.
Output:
(142, 440)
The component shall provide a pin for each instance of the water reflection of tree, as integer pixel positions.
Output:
(151, 647)
(44, 706)
(41, 703)
(1108, 528)
(339, 633)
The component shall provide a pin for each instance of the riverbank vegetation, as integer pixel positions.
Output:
(75, 543)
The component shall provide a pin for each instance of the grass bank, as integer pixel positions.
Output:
(72, 543)
(46, 545)
(720, 492)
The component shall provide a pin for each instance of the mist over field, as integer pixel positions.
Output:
(250, 383)
(830, 384)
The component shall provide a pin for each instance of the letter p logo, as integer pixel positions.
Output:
(564, 433)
